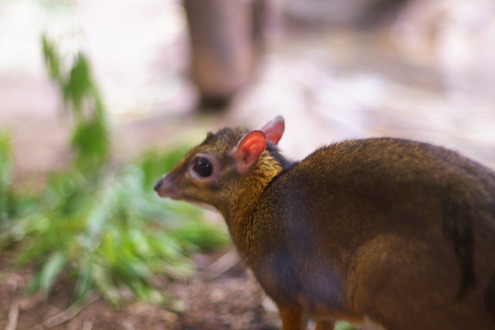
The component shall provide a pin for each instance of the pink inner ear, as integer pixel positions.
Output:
(274, 129)
(249, 150)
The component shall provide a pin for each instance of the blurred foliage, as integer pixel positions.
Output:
(90, 137)
(100, 226)
(7, 205)
(5, 175)
(341, 325)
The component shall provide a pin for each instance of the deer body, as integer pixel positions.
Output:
(384, 233)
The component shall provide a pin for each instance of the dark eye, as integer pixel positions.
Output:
(203, 167)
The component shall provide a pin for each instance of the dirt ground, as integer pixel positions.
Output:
(230, 300)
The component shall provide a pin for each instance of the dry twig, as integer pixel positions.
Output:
(68, 314)
(13, 316)
(221, 265)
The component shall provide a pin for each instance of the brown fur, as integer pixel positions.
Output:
(385, 233)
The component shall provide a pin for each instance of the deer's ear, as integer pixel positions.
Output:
(248, 150)
(274, 129)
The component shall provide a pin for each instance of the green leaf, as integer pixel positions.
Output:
(6, 194)
(341, 325)
(200, 236)
(90, 140)
(84, 281)
(155, 296)
(105, 284)
(51, 270)
(34, 284)
(52, 59)
(140, 242)
(108, 248)
(79, 84)
(5, 158)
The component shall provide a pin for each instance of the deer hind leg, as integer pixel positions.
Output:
(325, 325)
(292, 317)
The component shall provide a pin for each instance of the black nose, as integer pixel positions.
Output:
(158, 184)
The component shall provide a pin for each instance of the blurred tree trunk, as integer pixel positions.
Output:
(225, 37)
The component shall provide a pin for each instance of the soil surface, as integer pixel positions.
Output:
(229, 300)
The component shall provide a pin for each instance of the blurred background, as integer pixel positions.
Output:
(168, 71)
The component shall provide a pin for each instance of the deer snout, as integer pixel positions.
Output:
(158, 184)
(161, 187)
(165, 187)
